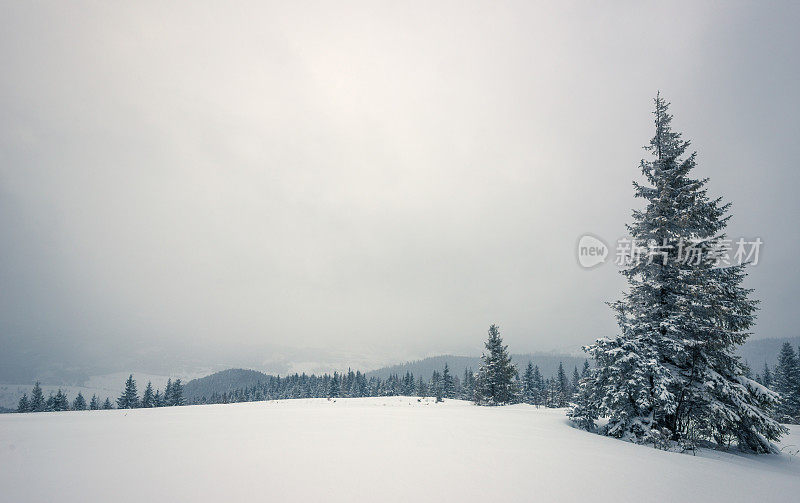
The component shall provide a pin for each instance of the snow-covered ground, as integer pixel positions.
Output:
(370, 449)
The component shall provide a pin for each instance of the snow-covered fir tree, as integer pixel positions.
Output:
(422, 389)
(495, 383)
(148, 397)
(37, 399)
(94, 403)
(528, 385)
(447, 383)
(766, 376)
(435, 387)
(333, 390)
(786, 381)
(564, 393)
(176, 398)
(79, 403)
(672, 367)
(129, 398)
(538, 387)
(107, 404)
(23, 405)
(60, 401)
(408, 384)
(468, 385)
(575, 381)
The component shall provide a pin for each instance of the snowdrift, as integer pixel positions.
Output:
(370, 449)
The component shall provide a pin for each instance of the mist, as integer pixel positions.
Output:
(364, 183)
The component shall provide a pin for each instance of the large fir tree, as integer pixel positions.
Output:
(495, 384)
(672, 367)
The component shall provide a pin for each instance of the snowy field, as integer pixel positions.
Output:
(370, 449)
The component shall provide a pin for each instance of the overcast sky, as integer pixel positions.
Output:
(384, 178)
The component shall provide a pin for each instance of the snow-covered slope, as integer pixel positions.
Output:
(371, 449)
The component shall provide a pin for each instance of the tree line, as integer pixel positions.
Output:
(531, 388)
(129, 399)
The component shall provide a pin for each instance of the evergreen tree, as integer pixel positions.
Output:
(448, 384)
(575, 383)
(538, 387)
(435, 387)
(79, 403)
(529, 385)
(333, 391)
(165, 399)
(495, 382)
(148, 398)
(767, 376)
(24, 405)
(60, 401)
(107, 404)
(564, 392)
(553, 397)
(422, 389)
(468, 386)
(50, 403)
(37, 399)
(94, 403)
(408, 384)
(130, 397)
(584, 410)
(787, 384)
(177, 398)
(672, 367)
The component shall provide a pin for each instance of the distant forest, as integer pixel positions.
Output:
(551, 382)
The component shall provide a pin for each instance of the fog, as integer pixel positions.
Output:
(369, 182)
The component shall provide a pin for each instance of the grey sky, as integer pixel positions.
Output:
(384, 178)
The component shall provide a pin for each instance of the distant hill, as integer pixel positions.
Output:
(222, 382)
(233, 379)
(757, 351)
(547, 362)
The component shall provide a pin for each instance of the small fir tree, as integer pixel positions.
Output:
(448, 385)
(38, 403)
(787, 384)
(148, 398)
(129, 398)
(79, 403)
(495, 382)
(24, 405)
